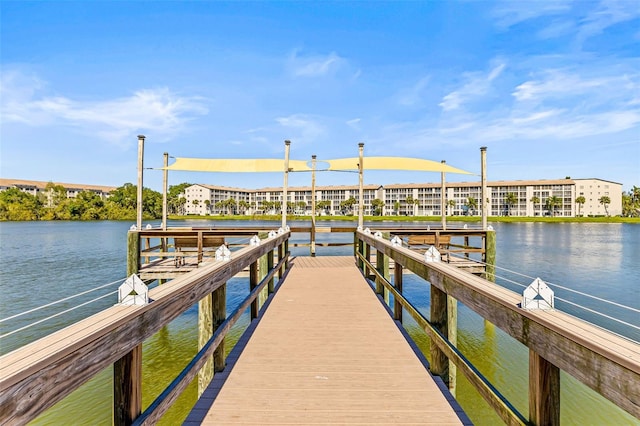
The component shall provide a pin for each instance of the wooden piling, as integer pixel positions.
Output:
(438, 317)
(490, 255)
(205, 332)
(219, 310)
(544, 391)
(253, 283)
(127, 371)
(397, 281)
(452, 335)
(127, 387)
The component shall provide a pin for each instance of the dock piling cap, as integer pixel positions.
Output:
(133, 292)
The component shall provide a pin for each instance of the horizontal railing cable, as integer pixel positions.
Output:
(61, 300)
(56, 315)
(600, 299)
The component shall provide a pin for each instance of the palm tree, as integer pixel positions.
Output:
(452, 205)
(471, 204)
(396, 207)
(207, 203)
(510, 200)
(552, 203)
(605, 201)
(409, 200)
(377, 205)
(534, 200)
(580, 202)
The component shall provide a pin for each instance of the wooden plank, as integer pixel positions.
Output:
(544, 391)
(327, 351)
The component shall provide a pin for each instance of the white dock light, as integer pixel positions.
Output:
(149, 226)
(272, 234)
(133, 292)
(432, 255)
(377, 235)
(223, 253)
(255, 241)
(132, 228)
(537, 296)
(396, 241)
(367, 231)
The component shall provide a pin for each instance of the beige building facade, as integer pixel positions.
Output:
(36, 188)
(513, 198)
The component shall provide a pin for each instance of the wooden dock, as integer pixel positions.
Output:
(327, 352)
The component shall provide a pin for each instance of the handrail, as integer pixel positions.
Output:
(605, 362)
(505, 410)
(166, 398)
(27, 387)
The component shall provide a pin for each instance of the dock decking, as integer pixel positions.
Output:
(326, 352)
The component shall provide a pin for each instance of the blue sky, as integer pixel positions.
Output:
(551, 88)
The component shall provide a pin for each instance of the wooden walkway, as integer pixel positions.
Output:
(326, 352)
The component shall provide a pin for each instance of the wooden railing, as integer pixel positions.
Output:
(608, 364)
(36, 376)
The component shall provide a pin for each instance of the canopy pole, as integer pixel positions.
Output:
(140, 173)
(313, 205)
(443, 199)
(361, 188)
(287, 147)
(483, 172)
(165, 176)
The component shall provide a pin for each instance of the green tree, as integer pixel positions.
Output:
(347, 205)
(452, 205)
(324, 205)
(243, 205)
(535, 200)
(377, 206)
(207, 204)
(471, 204)
(580, 202)
(552, 203)
(396, 207)
(510, 200)
(605, 201)
(18, 205)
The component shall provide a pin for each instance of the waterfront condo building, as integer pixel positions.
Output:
(515, 198)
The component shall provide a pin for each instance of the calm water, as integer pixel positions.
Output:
(47, 261)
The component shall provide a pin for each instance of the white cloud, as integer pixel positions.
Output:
(157, 112)
(354, 123)
(315, 65)
(509, 13)
(477, 85)
(302, 128)
(607, 14)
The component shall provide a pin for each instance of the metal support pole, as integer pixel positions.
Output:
(443, 199)
(140, 173)
(165, 178)
(287, 147)
(313, 205)
(484, 202)
(361, 186)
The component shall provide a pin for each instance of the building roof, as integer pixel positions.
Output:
(21, 183)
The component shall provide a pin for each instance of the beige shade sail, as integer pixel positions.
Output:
(394, 163)
(229, 165)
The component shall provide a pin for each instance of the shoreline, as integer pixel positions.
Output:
(467, 219)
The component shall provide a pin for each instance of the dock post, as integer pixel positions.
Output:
(127, 371)
(140, 181)
(438, 318)
(253, 283)
(382, 265)
(313, 206)
(490, 255)
(443, 199)
(452, 335)
(263, 270)
(270, 262)
(484, 200)
(219, 305)
(280, 256)
(544, 391)
(397, 282)
(205, 331)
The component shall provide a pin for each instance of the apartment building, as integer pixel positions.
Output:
(36, 188)
(514, 198)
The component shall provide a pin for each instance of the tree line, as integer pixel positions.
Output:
(53, 204)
